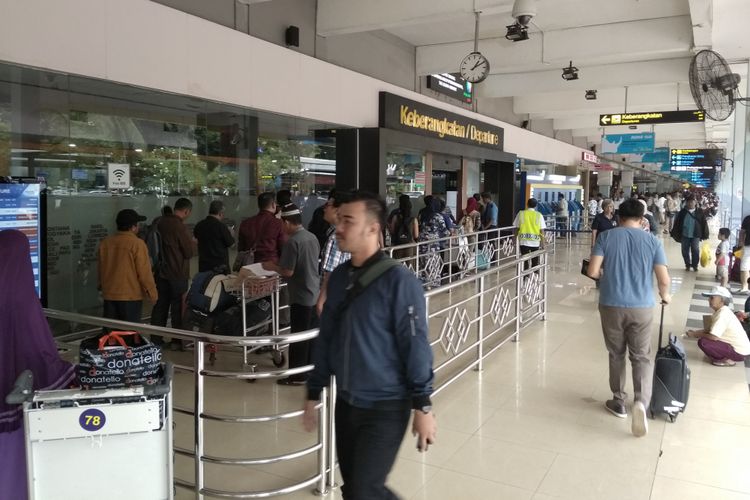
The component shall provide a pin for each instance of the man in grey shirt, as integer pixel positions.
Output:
(299, 265)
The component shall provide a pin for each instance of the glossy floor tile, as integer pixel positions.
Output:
(531, 425)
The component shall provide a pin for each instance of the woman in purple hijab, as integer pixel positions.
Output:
(25, 344)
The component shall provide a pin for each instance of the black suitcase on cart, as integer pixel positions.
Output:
(671, 377)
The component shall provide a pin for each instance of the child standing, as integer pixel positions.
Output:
(722, 256)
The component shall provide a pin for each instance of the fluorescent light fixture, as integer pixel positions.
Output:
(555, 177)
(556, 182)
(138, 150)
(71, 145)
(577, 178)
(534, 177)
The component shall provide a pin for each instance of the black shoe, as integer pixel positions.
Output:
(695, 268)
(616, 408)
(687, 268)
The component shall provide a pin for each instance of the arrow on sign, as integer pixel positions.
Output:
(606, 119)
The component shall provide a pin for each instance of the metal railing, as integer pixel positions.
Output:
(471, 317)
(495, 307)
(444, 260)
(322, 477)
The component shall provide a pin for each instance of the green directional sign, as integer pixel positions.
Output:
(651, 118)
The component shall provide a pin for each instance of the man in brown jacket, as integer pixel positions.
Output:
(178, 247)
(125, 277)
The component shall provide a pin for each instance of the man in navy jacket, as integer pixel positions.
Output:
(376, 345)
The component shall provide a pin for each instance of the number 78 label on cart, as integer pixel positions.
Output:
(92, 419)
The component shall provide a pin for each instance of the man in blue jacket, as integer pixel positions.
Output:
(373, 338)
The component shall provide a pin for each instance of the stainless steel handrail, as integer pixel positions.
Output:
(322, 476)
(460, 251)
(519, 296)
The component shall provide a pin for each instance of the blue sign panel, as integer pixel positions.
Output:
(20, 207)
(628, 143)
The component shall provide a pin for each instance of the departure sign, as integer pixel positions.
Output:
(651, 118)
(696, 158)
(452, 85)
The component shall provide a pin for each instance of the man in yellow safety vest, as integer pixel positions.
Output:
(529, 230)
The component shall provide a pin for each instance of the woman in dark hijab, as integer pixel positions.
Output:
(25, 344)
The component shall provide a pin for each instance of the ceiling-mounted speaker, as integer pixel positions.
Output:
(292, 36)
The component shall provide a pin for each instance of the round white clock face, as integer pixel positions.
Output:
(475, 67)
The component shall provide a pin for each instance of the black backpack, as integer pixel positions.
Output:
(152, 237)
(404, 234)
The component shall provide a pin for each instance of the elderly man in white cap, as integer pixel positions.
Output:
(725, 342)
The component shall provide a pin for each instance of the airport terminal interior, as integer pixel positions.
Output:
(112, 105)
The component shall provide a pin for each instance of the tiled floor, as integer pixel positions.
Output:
(532, 424)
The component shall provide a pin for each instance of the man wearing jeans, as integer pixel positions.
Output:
(626, 303)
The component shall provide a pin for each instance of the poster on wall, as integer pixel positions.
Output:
(21, 208)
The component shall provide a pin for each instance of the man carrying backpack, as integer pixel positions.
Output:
(125, 277)
(374, 338)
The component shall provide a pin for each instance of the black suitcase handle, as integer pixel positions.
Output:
(661, 323)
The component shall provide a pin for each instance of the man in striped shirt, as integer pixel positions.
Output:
(331, 256)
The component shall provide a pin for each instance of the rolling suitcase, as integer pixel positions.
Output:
(671, 377)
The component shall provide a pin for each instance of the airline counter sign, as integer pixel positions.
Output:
(651, 118)
(411, 116)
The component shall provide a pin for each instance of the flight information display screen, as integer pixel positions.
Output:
(452, 85)
(21, 209)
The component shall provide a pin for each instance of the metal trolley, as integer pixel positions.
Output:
(108, 443)
(253, 289)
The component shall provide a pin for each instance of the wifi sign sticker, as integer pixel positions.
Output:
(119, 176)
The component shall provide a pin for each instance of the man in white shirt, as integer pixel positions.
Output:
(726, 342)
(661, 203)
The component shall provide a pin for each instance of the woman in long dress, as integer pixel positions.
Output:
(25, 344)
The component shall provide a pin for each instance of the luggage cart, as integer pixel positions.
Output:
(106, 443)
(259, 288)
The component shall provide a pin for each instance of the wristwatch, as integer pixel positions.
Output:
(426, 409)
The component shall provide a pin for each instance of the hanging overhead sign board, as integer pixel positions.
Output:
(696, 158)
(697, 166)
(628, 143)
(589, 157)
(418, 118)
(651, 118)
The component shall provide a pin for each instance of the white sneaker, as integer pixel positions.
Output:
(640, 424)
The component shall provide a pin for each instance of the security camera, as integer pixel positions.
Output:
(523, 11)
